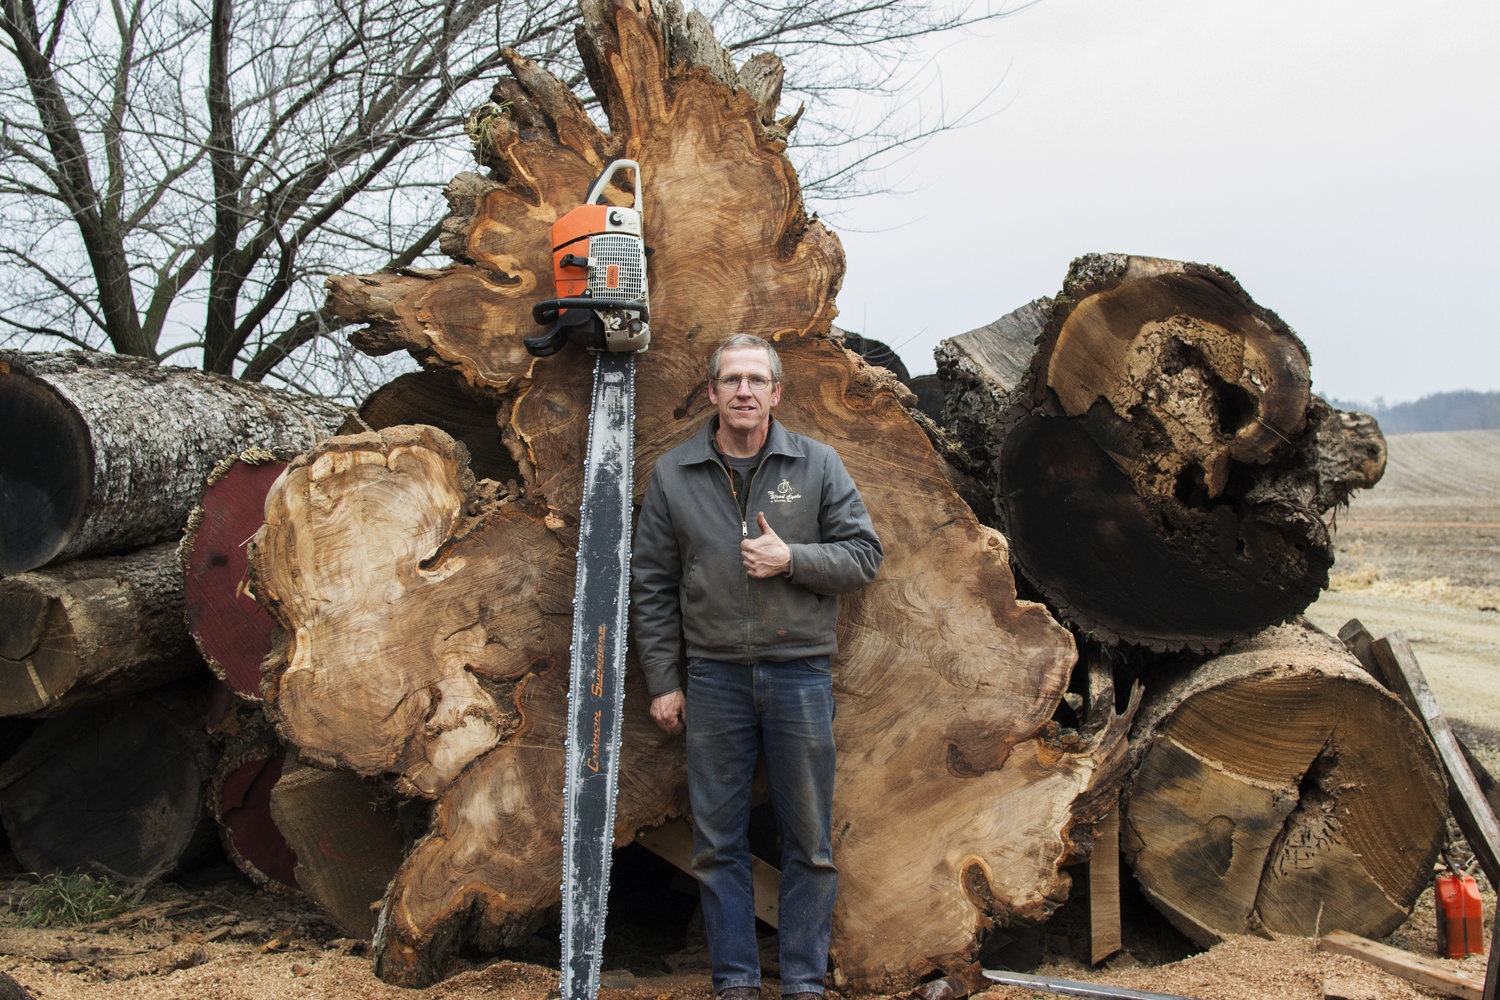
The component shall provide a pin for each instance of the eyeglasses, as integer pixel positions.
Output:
(730, 383)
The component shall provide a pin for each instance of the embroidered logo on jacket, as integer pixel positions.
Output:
(784, 492)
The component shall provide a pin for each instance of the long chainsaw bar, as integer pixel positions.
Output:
(596, 690)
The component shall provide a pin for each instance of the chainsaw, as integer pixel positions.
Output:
(599, 263)
(599, 270)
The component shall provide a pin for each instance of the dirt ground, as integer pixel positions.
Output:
(1419, 554)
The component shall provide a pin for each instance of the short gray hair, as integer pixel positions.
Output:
(745, 340)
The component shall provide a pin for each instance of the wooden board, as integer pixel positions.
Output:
(1428, 973)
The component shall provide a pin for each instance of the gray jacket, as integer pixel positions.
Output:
(689, 581)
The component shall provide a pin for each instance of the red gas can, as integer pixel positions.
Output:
(1460, 916)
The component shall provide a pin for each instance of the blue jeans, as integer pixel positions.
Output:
(734, 712)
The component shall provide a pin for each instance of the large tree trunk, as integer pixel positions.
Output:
(106, 453)
(116, 789)
(1161, 468)
(427, 617)
(1279, 786)
(92, 629)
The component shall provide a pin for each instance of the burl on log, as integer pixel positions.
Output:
(426, 615)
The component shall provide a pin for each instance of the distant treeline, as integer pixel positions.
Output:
(1445, 411)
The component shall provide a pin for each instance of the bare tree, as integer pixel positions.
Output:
(179, 176)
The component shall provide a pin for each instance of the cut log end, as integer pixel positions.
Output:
(46, 467)
(1279, 787)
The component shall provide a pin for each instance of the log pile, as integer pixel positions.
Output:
(1136, 467)
(106, 457)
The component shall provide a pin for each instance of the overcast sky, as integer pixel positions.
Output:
(1340, 157)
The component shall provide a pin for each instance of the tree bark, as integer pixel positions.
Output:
(108, 453)
(116, 789)
(90, 630)
(1161, 468)
(427, 617)
(1278, 786)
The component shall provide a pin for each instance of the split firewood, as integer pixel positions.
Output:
(427, 616)
(1278, 786)
(106, 453)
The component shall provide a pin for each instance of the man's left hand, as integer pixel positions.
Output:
(768, 555)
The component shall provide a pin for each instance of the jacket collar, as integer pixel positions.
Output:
(700, 447)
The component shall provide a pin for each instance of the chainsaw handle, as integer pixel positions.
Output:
(544, 311)
(596, 191)
(552, 340)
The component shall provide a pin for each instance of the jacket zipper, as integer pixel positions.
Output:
(744, 515)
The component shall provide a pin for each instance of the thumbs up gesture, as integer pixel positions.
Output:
(767, 555)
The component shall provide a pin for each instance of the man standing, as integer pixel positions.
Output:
(747, 535)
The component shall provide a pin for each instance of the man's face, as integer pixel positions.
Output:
(742, 408)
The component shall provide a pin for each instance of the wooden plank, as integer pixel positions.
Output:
(1428, 973)
(673, 842)
(1359, 642)
(1471, 810)
(1105, 937)
(1492, 971)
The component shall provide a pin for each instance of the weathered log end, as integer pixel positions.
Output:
(1278, 786)
(91, 630)
(117, 789)
(347, 834)
(368, 524)
(1163, 469)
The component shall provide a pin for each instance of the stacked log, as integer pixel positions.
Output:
(114, 789)
(106, 456)
(107, 453)
(1160, 464)
(231, 631)
(1280, 775)
(90, 630)
(1167, 481)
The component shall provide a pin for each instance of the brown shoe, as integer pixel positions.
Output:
(801, 996)
(740, 993)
